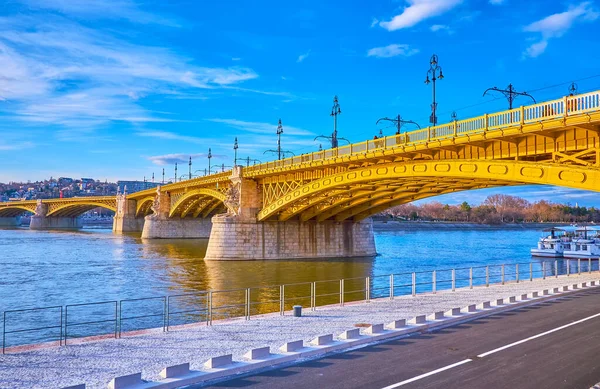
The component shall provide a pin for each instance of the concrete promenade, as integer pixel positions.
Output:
(96, 363)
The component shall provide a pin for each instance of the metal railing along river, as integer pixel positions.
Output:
(62, 324)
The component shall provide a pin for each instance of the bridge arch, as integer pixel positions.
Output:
(144, 206)
(359, 193)
(10, 210)
(78, 207)
(198, 202)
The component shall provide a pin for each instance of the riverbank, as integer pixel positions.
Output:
(393, 225)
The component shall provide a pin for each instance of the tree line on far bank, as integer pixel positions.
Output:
(496, 209)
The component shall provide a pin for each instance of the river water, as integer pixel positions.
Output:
(44, 268)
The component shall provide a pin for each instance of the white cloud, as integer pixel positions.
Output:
(392, 50)
(171, 159)
(99, 9)
(59, 72)
(16, 146)
(261, 128)
(303, 56)
(171, 136)
(497, 2)
(556, 25)
(418, 10)
(440, 27)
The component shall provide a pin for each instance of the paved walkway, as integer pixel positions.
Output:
(97, 363)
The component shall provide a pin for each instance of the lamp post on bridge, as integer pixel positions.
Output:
(163, 180)
(175, 171)
(335, 111)
(235, 148)
(573, 89)
(223, 166)
(398, 122)
(435, 70)
(510, 93)
(248, 159)
(279, 152)
(209, 158)
(190, 169)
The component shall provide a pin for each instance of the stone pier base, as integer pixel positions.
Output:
(176, 228)
(235, 239)
(55, 223)
(127, 224)
(10, 221)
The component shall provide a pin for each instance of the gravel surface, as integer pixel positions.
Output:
(96, 363)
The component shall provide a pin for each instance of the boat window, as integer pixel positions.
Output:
(577, 247)
(551, 246)
(584, 247)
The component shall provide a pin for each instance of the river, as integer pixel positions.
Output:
(45, 268)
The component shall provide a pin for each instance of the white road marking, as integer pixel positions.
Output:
(538, 335)
(490, 352)
(427, 374)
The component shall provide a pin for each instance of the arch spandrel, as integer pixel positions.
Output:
(191, 202)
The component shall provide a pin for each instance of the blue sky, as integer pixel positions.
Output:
(120, 89)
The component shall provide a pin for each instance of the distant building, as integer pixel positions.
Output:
(135, 186)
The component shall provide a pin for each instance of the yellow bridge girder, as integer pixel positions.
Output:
(398, 182)
(16, 208)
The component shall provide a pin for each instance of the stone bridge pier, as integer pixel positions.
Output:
(160, 225)
(125, 219)
(42, 221)
(238, 235)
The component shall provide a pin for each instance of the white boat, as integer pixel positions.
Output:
(556, 243)
(585, 244)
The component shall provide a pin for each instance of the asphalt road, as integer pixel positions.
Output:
(563, 353)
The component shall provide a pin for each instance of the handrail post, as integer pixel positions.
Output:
(391, 286)
(313, 292)
(428, 134)
(486, 122)
(565, 106)
(248, 304)
(165, 313)
(61, 328)
(367, 289)
(433, 281)
(517, 272)
(568, 267)
(471, 278)
(487, 276)
(579, 266)
(522, 111)
(209, 302)
(589, 265)
(414, 284)
(530, 271)
(342, 292)
(453, 280)
(502, 274)
(544, 270)
(455, 129)
(282, 302)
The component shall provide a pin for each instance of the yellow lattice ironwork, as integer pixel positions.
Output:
(16, 208)
(195, 201)
(76, 206)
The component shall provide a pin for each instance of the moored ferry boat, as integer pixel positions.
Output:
(585, 244)
(556, 243)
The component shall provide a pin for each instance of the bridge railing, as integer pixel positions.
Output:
(88, 321)
(536, 113)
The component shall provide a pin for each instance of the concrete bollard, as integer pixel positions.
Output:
(322, 340)
(575, 286)
(375, 329)
(350, 334)
(455, 311)
(584, 284)
(258, 353)
(592, 283)
(397, 324)
(524, 297)
(512, 299)
(565, 288)
(175, 371)
(125, 381)
(472, 308)
(555, 290)
(80, 386)
(292, 346)
(500, 302)
(216, 362)
(438, 315)
(487, 304)
(546, 292)
(297, 309)
(420, 319)
(535, 294)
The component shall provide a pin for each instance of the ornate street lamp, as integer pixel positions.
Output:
(190, 169)
(280, 153)
(235, 148)
(398, 122)
(209, 157)
(435, 70)
(510, 93)
(335, 111)
(175, 171)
